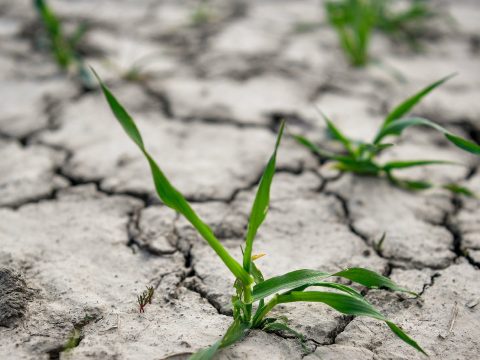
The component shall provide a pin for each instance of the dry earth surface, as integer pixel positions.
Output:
(82, 234)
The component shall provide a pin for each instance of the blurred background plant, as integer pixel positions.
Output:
(64, 48)
(356, 20)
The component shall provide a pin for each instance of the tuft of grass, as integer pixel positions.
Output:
(145, 298)
(356, 20)
(361, 157)
(256, 296)
(64, 48)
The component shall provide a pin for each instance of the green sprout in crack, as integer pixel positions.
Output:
(145, 298)
(356, 20)
(63, 47)
(256, 296)
(361, 157)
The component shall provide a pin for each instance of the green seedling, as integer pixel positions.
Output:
(356, 20)
(63, 47)
(256, 296)
(361, 157)
(145, 298)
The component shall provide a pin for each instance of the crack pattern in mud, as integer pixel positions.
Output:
(205, 93)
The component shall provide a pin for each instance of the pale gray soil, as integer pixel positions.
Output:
(82, 233)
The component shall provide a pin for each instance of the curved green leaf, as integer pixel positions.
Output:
(340, 287)
(344, 303)
(165, 190)
(402, 335)
(350, 305)
(260, 205)
(408, 104)
(463, 143)
(235, 332)
(370, 279)
(304, 278)
(288, 281)
(315, 149)
(337, 134)
(397, 127)
(462, 190)
(412, 163)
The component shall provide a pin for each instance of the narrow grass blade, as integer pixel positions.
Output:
(287, 281)
(462, 190)
(350, 305)
(235, 332)
(317, 150)
(463, 143)
(370, 279)
(261, 203)
(305, 278)
(49, 19)
(60, 46)
(337, 134)
(408, 104)
(402, 335)
(413, 163)
(398, 126)
(340, 287)
(414, 185)
(165, 190)
(365, 167)
(344, 303)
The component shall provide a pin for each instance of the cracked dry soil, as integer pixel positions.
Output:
(82, 233)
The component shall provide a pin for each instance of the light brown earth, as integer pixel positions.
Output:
(82, 234)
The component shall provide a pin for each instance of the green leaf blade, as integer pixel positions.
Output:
(349, 305)
(408, 104)
(370, 279)
(463, 143)
(261, 203)
(414, 163)
(344, 303)
(167, 192)
(236, 332)
(287, 281)
(402, 335)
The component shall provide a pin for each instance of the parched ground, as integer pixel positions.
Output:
(82, 234)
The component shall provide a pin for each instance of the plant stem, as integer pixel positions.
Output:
(247, 298)
(267, 308)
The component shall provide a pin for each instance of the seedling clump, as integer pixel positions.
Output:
(361, 157)
(255, 296)
(64, 48)
(145, 298)
(356, 20)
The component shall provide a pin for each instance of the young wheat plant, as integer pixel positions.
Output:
(255, 296)
(361, 157)
(356, 20)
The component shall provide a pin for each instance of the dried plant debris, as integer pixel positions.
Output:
(145, 298)
(361, 157)
(255, 296)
